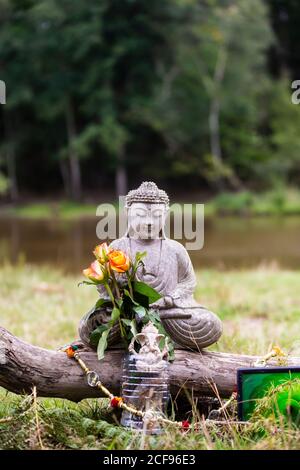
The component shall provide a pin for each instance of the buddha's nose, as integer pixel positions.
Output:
(148, 223)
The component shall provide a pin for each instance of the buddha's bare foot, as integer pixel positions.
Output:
(174, 313)
(201, 330)
(91, 321)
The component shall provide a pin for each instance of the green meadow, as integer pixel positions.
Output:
(43, 306)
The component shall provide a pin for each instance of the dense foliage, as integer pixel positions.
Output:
(193, 91)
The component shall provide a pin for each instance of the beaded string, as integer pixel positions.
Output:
(117, 402)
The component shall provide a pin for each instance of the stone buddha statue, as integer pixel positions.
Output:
(167, 268)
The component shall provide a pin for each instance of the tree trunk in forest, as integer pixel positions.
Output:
(12, 173)
(23, 366)
(65, 175)
(214, 114)
(75, 171)
(11, 158)
(121, 184)
(214, 122)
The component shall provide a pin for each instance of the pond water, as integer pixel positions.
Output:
(229, 242)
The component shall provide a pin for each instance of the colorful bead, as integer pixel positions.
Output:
(115, 402)
(70, 352)
(185, 424)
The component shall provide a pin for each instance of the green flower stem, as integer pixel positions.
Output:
(115, 284)
(121, 328)
(129, 284)
(110, 293)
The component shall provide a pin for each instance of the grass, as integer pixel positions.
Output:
(66, 210)
(43, 306)
(275, 202)
(282, 201)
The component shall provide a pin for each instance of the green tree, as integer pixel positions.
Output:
(285, 136)
(134, 41)
(132, 88)
(88, 70)
(211, 114)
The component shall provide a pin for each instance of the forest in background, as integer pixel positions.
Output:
(102, 94)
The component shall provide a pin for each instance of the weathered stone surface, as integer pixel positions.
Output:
(167, 268)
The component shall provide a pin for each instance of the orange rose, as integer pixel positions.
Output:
(118, 261)
(100, 252)
(94, 272)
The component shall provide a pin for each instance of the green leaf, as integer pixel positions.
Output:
(170, 347)
(140, 255)
(102, 345)
(141, 299)
(138, 260)
(147, 291)
(133, 327)
(140, 311)
(115, 314)
(131, 324)
(154, 316)
(96, 334)
(89, 283)
(127, 293)
(102, 302)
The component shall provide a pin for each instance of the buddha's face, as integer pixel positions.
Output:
(145, 220)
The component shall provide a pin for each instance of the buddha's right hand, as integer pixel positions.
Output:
(168, 310)
(164, 302)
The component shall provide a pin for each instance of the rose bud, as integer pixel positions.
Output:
(101, 252)
(94, 273)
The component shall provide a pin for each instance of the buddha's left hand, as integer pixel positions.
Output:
(168, 310)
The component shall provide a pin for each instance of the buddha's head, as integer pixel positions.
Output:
(147, 208)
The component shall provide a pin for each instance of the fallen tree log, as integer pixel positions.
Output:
(23, 366)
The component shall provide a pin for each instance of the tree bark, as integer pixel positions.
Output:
(23, 366)
(214, 121)
(65, 174)
(11, 158)
(215, 105)
(75, 171)
(12, 173)
(121, 176)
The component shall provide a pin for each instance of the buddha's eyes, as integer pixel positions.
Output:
(155, 214)
(140, 214)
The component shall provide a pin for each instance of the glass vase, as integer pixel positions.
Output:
(146, 388)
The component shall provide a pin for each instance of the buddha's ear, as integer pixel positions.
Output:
(164, 219)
